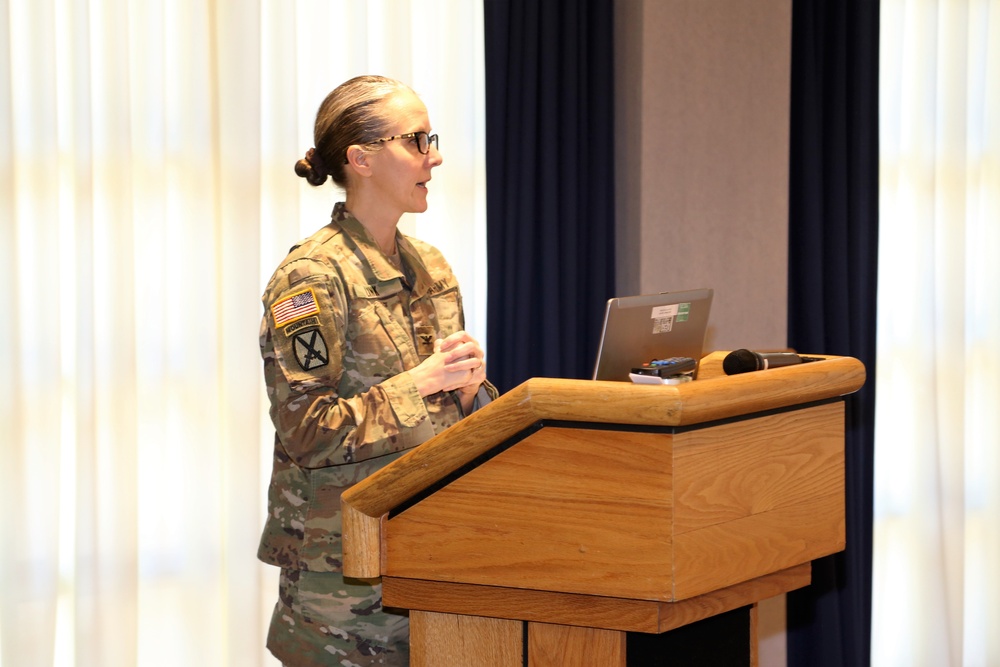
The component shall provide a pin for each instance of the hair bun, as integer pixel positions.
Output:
(311, 168)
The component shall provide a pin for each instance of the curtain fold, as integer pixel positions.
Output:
(833, 246)
(550, 203)
(146, 151)
(937, 508)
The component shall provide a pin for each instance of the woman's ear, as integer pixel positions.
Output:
(357, 160)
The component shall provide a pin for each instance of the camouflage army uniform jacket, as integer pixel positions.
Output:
(342, 326)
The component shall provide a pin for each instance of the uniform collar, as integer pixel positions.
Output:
(382, 269)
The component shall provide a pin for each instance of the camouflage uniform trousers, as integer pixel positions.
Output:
(323, 619)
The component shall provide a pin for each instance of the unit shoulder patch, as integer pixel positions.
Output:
(310, 349)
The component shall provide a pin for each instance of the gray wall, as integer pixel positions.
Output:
(701, 158)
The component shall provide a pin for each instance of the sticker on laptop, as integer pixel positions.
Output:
(664, 316)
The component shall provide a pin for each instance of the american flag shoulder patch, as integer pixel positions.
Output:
(294, 307)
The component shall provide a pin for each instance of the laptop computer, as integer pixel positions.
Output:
(639, 329)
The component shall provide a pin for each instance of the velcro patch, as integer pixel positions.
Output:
(425, 341)
(294, 307)
(310, 350)
(301, 324)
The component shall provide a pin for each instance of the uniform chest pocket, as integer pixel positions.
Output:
(379, 346)
(446, 311)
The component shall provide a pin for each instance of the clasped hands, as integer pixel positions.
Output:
(456, 364)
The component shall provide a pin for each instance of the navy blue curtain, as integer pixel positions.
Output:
(833, 250)
(550, 185)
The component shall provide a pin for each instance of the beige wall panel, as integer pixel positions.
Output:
(702, 158)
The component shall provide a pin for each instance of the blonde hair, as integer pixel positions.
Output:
(353, 113)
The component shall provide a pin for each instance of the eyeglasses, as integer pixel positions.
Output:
(424, 140)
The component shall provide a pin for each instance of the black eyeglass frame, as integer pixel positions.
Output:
(424, 140)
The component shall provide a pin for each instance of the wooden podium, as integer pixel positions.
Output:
(567, 513)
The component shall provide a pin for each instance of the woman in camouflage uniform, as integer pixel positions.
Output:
(365, 356)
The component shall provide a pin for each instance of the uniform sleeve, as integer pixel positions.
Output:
(304, 347)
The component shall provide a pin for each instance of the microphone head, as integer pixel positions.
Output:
(741, 361)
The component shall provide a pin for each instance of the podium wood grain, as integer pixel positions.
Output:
(586, 610)
(559, 645)
(653, 516)
(453, 639)
(713, 396)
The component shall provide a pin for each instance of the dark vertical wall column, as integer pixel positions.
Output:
(550, 185)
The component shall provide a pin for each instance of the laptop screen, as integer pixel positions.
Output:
(638, 329)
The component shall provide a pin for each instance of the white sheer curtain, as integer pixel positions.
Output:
(937, 470)
(146, 149)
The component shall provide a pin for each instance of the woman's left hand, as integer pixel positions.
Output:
(464, 354)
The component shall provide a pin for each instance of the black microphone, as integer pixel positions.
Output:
(744, 361)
